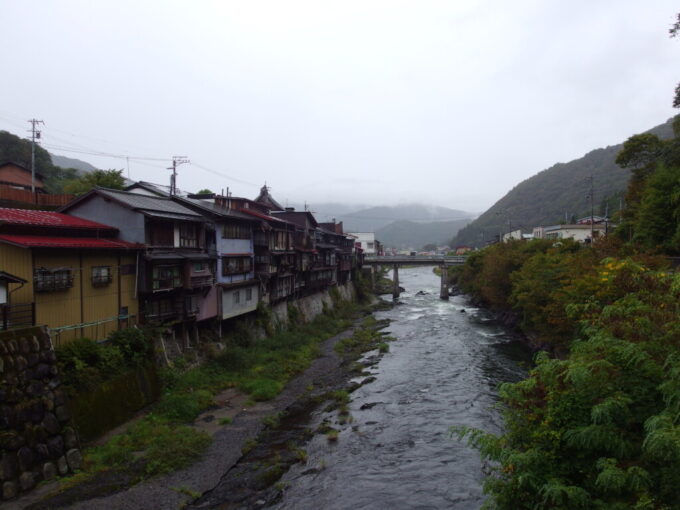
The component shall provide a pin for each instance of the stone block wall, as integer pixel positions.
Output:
(36, 440)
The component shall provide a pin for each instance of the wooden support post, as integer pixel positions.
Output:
(444, 288)
(395, 277)
(373, 270)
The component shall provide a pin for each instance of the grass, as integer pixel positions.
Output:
(225, 421)
(383, 347)
(163, 442)
(187, 491)
(248, 446)
(332, 434)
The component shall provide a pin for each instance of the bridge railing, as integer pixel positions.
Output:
(415, 259)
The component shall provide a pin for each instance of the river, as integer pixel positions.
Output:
(443, 369)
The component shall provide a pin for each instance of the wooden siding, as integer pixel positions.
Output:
(85, 301)
(18, 262)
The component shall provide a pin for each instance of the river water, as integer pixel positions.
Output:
(443, 369)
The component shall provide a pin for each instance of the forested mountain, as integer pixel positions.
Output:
(558, 192)
(64, 162)
(404, 234)
(375, 218)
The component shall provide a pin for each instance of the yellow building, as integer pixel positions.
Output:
(80, 280)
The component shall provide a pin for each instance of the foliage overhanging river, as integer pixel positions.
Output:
(443, 369)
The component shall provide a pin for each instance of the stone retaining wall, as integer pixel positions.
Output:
(36, 440)
(311, 306)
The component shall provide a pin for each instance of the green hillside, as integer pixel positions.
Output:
(548, 196)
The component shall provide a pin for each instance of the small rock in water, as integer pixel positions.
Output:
(462, 310)
(369, 405)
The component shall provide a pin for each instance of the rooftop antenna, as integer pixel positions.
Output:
(176, 161)
(35, 135)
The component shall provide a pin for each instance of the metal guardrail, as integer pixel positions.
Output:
(415, 259)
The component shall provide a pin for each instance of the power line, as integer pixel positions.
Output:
(215, 172)
(94, 152)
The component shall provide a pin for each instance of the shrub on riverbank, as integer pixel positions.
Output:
(599, 429)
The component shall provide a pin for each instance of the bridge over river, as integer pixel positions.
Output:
(443, 261)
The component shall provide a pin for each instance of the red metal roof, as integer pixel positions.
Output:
(47, 219)
(68, 242)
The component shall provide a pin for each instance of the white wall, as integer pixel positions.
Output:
(244, 305)
(364, 238)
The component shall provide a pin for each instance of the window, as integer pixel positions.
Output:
(188, 235)
(159, 308)
(162, 233)
(48, 280)
(249, 294)
(236, 297)
(166, 277)
(370, 246)
(235, 231)
(236, 265)
(101, 276)
(199, 267)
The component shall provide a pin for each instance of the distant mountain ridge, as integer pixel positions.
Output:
(404, 234)
(555, 193)
(64, 162)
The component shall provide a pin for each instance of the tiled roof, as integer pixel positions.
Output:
(67, 242)
(47, 219)
(145, 202)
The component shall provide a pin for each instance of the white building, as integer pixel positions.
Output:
(367, 240)
(577, 232)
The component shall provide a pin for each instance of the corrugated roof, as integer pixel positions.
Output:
(68, 242)
(171, 216)
(264, 216)
(146, 202)
(47, 219)
(11, 278)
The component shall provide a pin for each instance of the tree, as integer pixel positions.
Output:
(430, 247)
(112, 179)
(205, 191)
(674, 32)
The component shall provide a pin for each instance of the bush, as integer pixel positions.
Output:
(84, 363)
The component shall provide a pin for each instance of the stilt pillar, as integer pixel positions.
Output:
(444, 288)
(373, 271)
(395, 278)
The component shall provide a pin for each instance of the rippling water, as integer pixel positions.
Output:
(443, 369)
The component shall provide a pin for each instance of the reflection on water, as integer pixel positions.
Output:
(443, 369)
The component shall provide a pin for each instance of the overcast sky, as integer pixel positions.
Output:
(374, 102)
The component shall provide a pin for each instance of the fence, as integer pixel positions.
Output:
(21, 195)
(14, 316)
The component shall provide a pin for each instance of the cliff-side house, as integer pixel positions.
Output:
(178, 265)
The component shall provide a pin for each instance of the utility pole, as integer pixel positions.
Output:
(35, 134)
(592, 211)
(176, 161)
